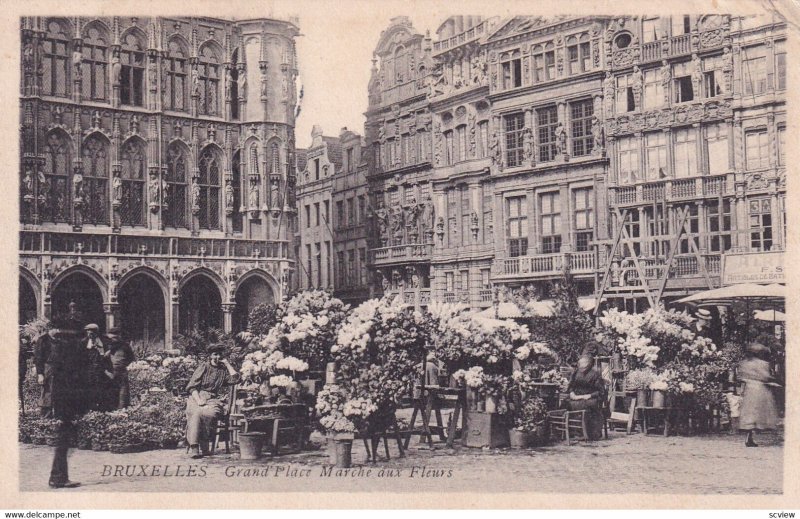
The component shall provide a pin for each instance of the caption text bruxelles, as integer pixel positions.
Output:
(275, 471)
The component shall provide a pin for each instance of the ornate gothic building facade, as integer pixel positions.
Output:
(156, 190)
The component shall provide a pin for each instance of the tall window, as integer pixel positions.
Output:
(452, 217)
(340, 269)
(550, 208)
(133, 181)
(275, 158)
(517, 211)
(681, 25)
(326, 211)
(177, 182)
(318, 256)
(308, 216)
(57, 170)
(692, 230)
(309, 266)
(515, 124)
(466, 216)
(512, 70)
(653, 89)
(712, 77)
(579, 53)
(175, 72)
(584, 219)
(316, 214)
(656, 144)
(236, 184)
(682, 83)
(362, 263)
(209, 181)
(719, 225)
(95, 65)
(686, 153)
(362, 209)
(400, 66)
(132, 78)
(717, 147)
(209, 76)
(581, 118)
(55, 59)
(448, 147)
(780, 65)
(757, 149)
(624, 97)
(754, 68)
(651, 30)
(544, 62)
(633, 226)
(95, 180)
(461, 143)
(547, 119)
(760, 225)
(628, 160)
(351, 211)
(488, 224)
(328, 263)
(340, 218)
(483, 139)
(351, 267)
(657, 224)
(781, 145)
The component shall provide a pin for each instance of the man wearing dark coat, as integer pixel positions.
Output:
(99, 374)
(60, 363)
(120, 356)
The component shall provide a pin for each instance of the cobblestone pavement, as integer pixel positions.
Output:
(711, 464)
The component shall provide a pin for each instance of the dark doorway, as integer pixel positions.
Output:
(27, 301)
(141, 312)
(88, 298)
(200, 305)
(251, 293)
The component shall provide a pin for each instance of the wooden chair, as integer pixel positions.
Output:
(622, 419)
(568, 424)
(227, 426)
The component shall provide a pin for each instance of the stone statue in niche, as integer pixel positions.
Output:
(242, 84)
(195, 83)
(727, 68)
(427, 217)
(116, 71)
(27, 181)
(284, 87)
(153, 188)
(495, 153)
(195, 196)
(561, 139)
(527, 143)
(252, 197)
(228, 84)
(637, 79)
(77, 186)
(608, 92)
(597, 134)
(697, 73)
(264, 85)
(77, 61)
(228, 197)
(274, 196)
(479, 69)
(152, 76)
(27, 57)
(382, 219)
(397, 224)
(116, 189)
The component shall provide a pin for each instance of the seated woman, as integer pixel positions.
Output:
(206, 402)
(586, 390)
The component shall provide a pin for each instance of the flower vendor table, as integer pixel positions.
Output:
(435, 399)
(667, 415)
(278, 419)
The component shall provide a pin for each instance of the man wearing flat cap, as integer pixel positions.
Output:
(121, 355)
(206, 402)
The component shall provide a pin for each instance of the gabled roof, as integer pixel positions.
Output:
(334, 152)
(523, 24)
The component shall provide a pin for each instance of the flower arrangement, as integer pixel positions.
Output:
(659, 385)
(554, 376)
(530, 414)
(292, 364)
(639, 379)
(331, 401)
(522, 353)
(473, 377)
(281, 381)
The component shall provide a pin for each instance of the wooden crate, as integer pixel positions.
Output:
(485, 430)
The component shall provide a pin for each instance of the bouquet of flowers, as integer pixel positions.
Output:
(554, 376)
(530, 414)
(639, 379)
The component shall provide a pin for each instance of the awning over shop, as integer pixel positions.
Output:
(769, 315)
(773, 294)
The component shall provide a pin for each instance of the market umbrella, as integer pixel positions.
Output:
(765, 294)
(504, 310)
(769, 315)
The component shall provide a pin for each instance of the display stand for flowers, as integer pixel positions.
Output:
(483, 428)
(432, 402)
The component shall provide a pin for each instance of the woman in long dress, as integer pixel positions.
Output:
(758, 411)
(586, 391)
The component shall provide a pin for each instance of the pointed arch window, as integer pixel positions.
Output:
(54, 187)
(209, 76)
(253, 158)
(209, 182)
(133, 180)
(55, 59)
(177, 185)
(95, 181)
(275, 158)
(95, 65)
(175, 72)
(132, 76)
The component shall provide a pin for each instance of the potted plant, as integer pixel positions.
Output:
(639, 380)
(659, 396)
(528, 423)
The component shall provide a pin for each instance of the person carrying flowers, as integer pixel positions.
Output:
(206, 402)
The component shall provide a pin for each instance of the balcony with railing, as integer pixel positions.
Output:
(673, 46)
(549, 264)
(415, 252)
(684, 267)
(471, 34)
(675, 189)
(49, 242)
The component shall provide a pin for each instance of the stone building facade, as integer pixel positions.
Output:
(155, 183)
(350, 201)
(314, 233)
(696, 127)
(398, 132)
